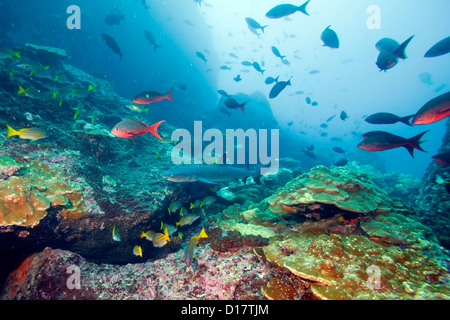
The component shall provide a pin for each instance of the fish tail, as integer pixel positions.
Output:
(262, 28)
(242, 106)
(153, 129)
(302, 8)
(400, 52)
(406, 119)
(414, 143)
(12, 132)
(169, 95)
(21, 90)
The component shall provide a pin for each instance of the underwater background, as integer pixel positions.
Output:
(88, 213)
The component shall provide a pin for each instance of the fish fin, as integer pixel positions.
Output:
(177, 224)
(205, 180)
(410, 149)
(21, 90)
(302, 8)
(400, 51)
(262, 28)
(169, 95)
(242, 106)
(166, 234)
(153, 129)
(406, 119)
(202, 234)
(12, 132)
(414, 143)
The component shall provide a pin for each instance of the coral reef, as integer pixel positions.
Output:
(433, 202)
(322, 191)
(407, 264)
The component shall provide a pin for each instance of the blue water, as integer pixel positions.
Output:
(348, 79)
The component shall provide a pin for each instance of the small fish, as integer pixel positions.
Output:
(440, 180)
(148, 97)
(278, 87)
(161, 239)
(270, 80)
(137, 251)
(254, 24)
(308, 100)
(223, 93)
(284, 10)
(314, 72)
(425, 77)
(224, 67)
(343, 115)
(190, 247)
(246, 63)
(32, 134)
(339, 150)
(170, 228)
(439, 49)
(129, 128)
(258, 67)
(112, 44)
(208, 201)
(233, 104)
(331, 118)
(138, 108)
(237, 78)
(314, 103)
(115, 235)
(78, 110)
(387, 118)
(151, 38)
(434, 110)
(277, 53)
(174, 206)
(29, 92)
(330, 38)
(149, 235)
(201, 56)
(187, 220)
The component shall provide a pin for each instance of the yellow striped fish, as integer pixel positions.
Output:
(160, 239)
(186, 220)
(27, 133)
(137, 251)
(190, 247)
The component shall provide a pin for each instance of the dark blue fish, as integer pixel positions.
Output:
(284, 10)
(258, 67)
(330, 38)
(237, 78)
(277, 53)
(439, 49)
(112, 44)
(201, 56)
(387, 118)
(271, 80)
(343, 115)
(254, 24)
(278, 87)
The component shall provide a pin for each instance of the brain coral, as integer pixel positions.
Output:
(337, 188)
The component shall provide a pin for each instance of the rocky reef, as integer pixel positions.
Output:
(433, 200)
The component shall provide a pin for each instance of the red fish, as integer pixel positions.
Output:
(380, 140)
(132, 128)
(148, 97)
(434, 110)
(443, 158)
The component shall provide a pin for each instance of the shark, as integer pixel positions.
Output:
(212, 174)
